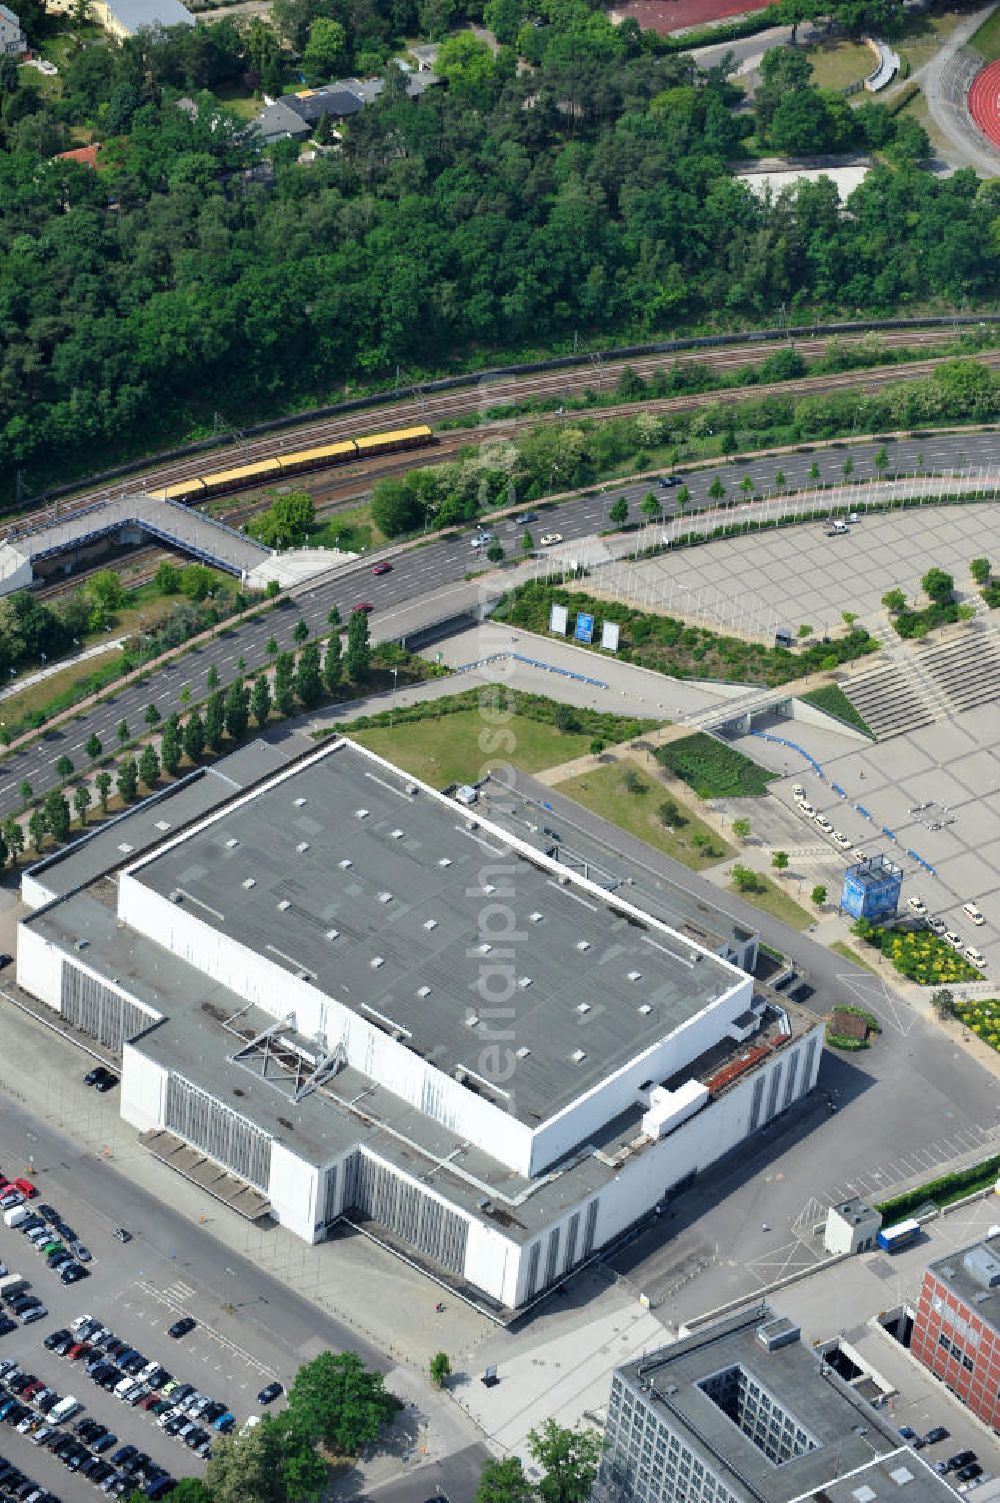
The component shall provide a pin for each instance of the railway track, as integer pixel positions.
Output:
(494, 392)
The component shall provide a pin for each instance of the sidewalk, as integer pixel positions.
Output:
(20, 684)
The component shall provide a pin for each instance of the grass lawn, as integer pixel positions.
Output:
(840, 948)
(352, 530)
(924, 34)
(18, 706)
(837, 64)
(241, 103)
(833, 699)
(986, 41)
(604, 792)
(449, 749)
(713, 769)
(769, 897)
(917, 107)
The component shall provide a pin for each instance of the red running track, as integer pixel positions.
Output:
(666, 16)
(984, 102)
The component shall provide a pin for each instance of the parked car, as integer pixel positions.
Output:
(182, 1327)
(382, 568)
(970, 910)
(550, 539)
(916, 905)
(935, 924)
(269, 1393)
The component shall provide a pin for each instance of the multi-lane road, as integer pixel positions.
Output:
(433, 570)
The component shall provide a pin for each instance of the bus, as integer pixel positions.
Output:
(903, 1234)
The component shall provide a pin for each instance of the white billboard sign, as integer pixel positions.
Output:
(609, 636)
(558, 619)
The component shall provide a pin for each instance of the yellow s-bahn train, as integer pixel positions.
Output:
(341, 452)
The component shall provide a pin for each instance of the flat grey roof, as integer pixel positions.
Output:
(953, 1273)
(206, 1026)
(404, 931)
(139, 828)
(532, 803)
(822, 1403)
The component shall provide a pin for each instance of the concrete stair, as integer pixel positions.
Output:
(922, 684)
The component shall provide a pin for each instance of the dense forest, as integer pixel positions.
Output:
(584, 188)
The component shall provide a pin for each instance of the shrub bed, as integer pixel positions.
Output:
(713, 769)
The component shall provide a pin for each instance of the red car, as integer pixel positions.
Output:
(26, 1188)
(365, 606)
(382, 568)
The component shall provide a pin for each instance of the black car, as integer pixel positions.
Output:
(107, 1082)
(122, 1235)
(182, 1327)
(968, 1473)
(269, 1393)
(49, 1212)
(959, 1460)
(7, 1325)
(54, 1339)
(5, 960)
(936, 1435)
(668, 481)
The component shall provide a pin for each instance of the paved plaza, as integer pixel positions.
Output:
(755, 584)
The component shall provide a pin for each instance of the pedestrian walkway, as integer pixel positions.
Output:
(30, 679)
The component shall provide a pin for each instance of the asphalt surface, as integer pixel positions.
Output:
(424, 571)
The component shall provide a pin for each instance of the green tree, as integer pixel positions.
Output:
(335, 1399)
(122, 731)
(103, 785)
(358, 656)
(57, 814)
(167, 579)
(272, 647)
(618, 515)
(741, 828)
(105, 589)
(13, 835)
(193, 737)
(938, 586)
(804, 630)
(395, 507)
(284, 692)
(894, 601)
(64, 766)
(260, 700)
(215, 720)
(326, 49)
(849, 618)
(332, 663)
(440, 1369)
(717, 490)
(683, 497)
(746, 485)
(149, 766)
(495, 552)
(744, 880)
(26, 791)
(287, 523)
(847, 467)
(980, 570)
(82, 801)
(650, 506)
(943, 1003)
(185, 694)
(308, 676)
(248, 1468)
(881, 459)
(333, 616)
(37, 830)
(779, 478)
(171, 750)
(569, 1460)
(527, 543)
(93, 746)
(151, 716)
(272, 588)
(127, 779)
(818, 895)
(504, 1482)
(236, 709)
(780, 861)
(212, 678)
(814, 471)
(300, 633)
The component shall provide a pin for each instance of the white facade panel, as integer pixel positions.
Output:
(143, 1089)
(34, 892)
(39, 966)
(294, 1192)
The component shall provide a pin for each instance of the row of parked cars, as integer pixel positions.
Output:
(938, 926)
(178, 1408)
(36, 1411)
(822, 823)
(963, 1465)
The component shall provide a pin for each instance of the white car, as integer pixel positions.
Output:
(841, 840)
(935, 924)
(822, 823)
(916, 905)
(972, 912)
(971, 953)
(807, 810)
(798, 791)
(550, 539)
(955, 940)
(859, 855)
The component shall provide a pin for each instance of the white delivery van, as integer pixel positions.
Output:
(64, 1410)
(12, 1283)
(16, 1215)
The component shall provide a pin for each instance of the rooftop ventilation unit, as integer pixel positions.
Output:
(635, 975)
(163, 824)
(645, 1009)
(423, 991)
(361, 813)
(445, 861)
(536, 918)
(299, 803)
(484, 949)
(232, 843)
(81, 944)
(346, 864)
(125, 848)
(377, 961)
(302, 847)
(523, 1052)
(333, 934)
(430, 924)
(578, 1056)
(412, 789)
(524, 982)
(175, 896)
(582, 1007)
(397, 834)
(472, 1020)
(489, 888)
(583, 944)
(385, 897)
(250, 882)
(284, 905)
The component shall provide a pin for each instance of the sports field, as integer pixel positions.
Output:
(665, 16)
(984, 102)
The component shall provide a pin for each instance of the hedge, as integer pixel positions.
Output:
(941, 1192)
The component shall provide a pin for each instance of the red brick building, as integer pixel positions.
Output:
(956, 1332)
